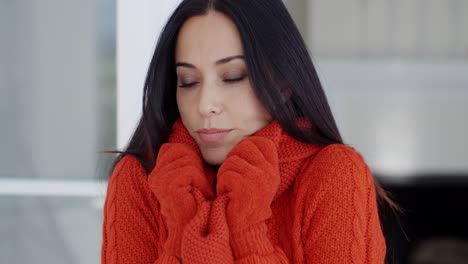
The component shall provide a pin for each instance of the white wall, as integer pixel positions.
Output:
(138, 26)
(407, 28)
(49, 126)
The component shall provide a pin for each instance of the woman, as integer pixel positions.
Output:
(237, 157)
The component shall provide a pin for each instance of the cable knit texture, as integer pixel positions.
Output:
(322, 209)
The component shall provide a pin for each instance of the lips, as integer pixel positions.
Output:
(212, 135)
(212, 130)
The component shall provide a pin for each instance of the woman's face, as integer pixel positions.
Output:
(213, 89)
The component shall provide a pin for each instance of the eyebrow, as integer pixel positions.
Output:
(218, 62)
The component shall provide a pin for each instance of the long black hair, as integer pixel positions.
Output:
(279, 66)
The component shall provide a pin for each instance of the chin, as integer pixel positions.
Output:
(213, 157)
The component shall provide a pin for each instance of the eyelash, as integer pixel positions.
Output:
(226, 80)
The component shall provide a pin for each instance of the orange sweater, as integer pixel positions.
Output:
(324, 211)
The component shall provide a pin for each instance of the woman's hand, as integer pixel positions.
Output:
(178, 171)
(206, 237)
(250, 178)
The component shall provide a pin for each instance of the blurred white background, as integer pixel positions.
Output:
(71, 80)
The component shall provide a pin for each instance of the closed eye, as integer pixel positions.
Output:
(232, 80)
(187, 85)
(235, 79)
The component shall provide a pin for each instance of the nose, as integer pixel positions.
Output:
(210, 101)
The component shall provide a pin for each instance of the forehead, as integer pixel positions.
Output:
(207, 38)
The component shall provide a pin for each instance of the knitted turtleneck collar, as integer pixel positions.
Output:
(289, 149)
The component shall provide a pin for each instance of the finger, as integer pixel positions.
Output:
(244, 172)
(241, 166)
(168, 152)
(178, 205)
(184, 181)
(237, 164)
(231, 182)
(179, 175)
(199, 223)
(166, 181)
(247, 150)
(223, 186)
(173, 155)
(242, 192)
(263, 144)
(256, 150)
(267, 148)
(199, 198)
(176, 162)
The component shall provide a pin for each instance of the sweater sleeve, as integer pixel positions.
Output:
(130, 228)
(340, 215)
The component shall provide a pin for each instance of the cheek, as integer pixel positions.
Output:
(246, 105)
(183, 103)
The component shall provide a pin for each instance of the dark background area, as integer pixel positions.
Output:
(434, 225)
